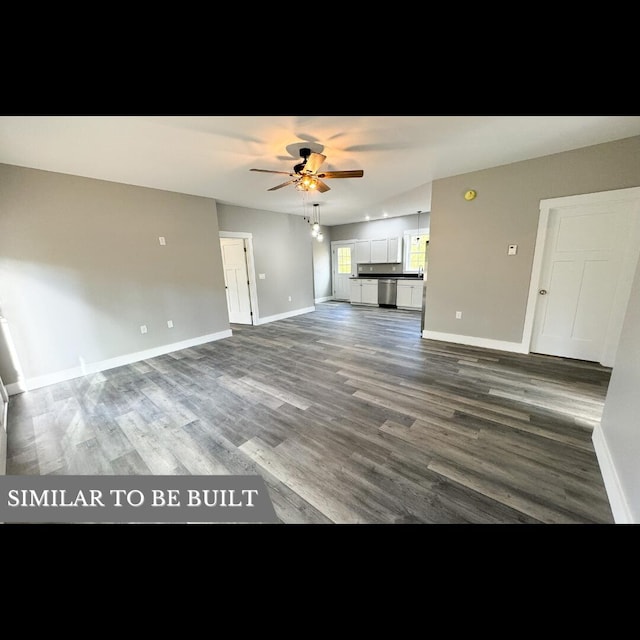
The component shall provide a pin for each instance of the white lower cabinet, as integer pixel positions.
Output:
(364, 291)
(370, 292)
(409, 294)
(355, 296)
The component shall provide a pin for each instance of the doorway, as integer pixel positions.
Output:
(343, 268)
(239, 279)
(585, 258)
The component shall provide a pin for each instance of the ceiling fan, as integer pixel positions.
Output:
(305, 175)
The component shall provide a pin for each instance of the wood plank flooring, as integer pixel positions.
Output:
(349, 416)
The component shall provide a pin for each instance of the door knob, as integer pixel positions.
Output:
(543, 292)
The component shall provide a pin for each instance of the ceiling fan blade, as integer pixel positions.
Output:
(314, 162)
(322, 187)
(284, 184)
(284, 173)
(356, 173)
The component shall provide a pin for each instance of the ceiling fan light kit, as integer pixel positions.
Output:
(306, 176)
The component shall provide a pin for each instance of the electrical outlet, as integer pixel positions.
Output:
(262, 276)
(170, 324)
(458, 315)
(162, 240)
(143, 328)
(513, 250)
(289, 298)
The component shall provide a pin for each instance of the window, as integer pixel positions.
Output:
(416, 243)
(344, 259)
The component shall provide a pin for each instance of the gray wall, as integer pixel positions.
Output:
(322, 265)
(386, 228)
(81, 268)
(281, 250)
(469, 269)
(620, 423)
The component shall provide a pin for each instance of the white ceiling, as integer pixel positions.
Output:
(211, 155)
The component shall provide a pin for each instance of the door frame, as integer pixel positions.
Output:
(251, 269)
(630, 194)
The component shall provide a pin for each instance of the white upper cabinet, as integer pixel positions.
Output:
(394, 249)
(363, 251)
(379, 250)
(386, 250)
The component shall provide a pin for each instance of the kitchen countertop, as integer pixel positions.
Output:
(379, 277)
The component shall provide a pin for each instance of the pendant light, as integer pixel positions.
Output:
(316, 223)
(313, 220)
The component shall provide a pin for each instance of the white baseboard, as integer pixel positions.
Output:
(617, 501)
(16, 387)
(286, 314)
(111, 363)
(323, 299)
(473, 341)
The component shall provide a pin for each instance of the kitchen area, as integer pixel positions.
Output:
(386, 285)
(385, 272)
(382, 264)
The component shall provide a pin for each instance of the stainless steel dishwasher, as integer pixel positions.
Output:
(387, 291)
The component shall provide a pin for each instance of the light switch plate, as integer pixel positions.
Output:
(162, 240)
(513, 249)
(262, 276)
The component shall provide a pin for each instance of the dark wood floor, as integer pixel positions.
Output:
(349, 416)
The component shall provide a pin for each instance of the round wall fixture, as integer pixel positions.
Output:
(470, 195)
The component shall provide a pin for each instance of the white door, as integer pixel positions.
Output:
(590, 255)
(4, 404)
(344, 265)
(236, 280)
